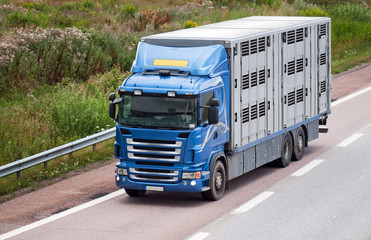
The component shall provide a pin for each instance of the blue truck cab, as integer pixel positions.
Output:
(164, 138)
(208, 104)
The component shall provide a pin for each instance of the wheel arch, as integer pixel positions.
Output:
(219, 156)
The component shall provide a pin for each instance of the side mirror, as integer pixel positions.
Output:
(112, 105)
(112, 97)
(215, 102)
(112, 110)
(213, 116)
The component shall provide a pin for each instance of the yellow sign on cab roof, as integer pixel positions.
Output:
(170, 63)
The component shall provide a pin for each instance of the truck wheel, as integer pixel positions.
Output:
(217, 183)
(299, 145)
(286, 152)
(135, 193)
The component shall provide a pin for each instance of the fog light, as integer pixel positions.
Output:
(193, 183)
(117, 178)
(171, 94)
(122, 171)
(191, 175)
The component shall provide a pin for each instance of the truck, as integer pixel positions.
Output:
(205, 105)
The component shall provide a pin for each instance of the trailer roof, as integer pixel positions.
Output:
(222, 32)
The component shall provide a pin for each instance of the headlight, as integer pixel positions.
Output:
(122, 171)
(191, 175)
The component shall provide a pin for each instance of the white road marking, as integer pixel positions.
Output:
(199, 236)
(350, 140)
(307, 168)
(61, 215)
(253, 202)
(353, 95)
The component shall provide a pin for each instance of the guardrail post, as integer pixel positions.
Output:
(94, 147)
(45, 164)
(18, 175)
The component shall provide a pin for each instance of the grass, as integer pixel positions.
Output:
(349, 58)
(351, 35)
(48, 116)
(59, 60)
(38, 176)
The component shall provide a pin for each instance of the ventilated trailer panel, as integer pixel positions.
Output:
(280, 77)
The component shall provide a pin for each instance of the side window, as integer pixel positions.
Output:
(205, 101)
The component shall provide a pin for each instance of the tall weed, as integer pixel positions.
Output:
(24, 129)
(149, 19)
(48, 116)
(76, 114)
(354, 12)
(49, 55)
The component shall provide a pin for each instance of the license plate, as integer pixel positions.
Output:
(153, 188)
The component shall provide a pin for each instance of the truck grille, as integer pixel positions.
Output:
(160, 150)
(153, 175)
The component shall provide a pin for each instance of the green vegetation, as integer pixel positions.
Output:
(49, 116)
(59, 60)
(34, 178)
(351, 35)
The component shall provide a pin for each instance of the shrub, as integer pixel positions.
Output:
(19, 18)
(190, 24)
(336, 2)
(128, 11)
(77, 114)
(69, 6)
(87, 5)
(313, 12)
(265, 2)
(49, 116)
(149, 19)
(39, 6)
(49, 55)
(352, 12)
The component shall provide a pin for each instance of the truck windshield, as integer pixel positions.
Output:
(158, 112)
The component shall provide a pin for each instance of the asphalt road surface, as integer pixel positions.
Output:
(330, 199)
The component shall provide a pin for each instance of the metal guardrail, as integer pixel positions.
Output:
(44, 157)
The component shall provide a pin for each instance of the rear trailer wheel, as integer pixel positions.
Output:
(299, 145)
(135, 193)
(217, 183)
(286, 152)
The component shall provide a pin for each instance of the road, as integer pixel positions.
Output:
(327, 199)
(317, 198)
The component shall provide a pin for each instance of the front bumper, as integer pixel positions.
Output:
(195, 185)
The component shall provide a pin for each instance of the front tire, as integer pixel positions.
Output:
(135, 193)
(217, 183)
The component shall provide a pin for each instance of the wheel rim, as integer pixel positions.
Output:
(218, 180)
(300, 143)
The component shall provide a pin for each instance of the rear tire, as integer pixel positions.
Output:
(286, 152)
(299, 145)
(135, 193)
(217, 183)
